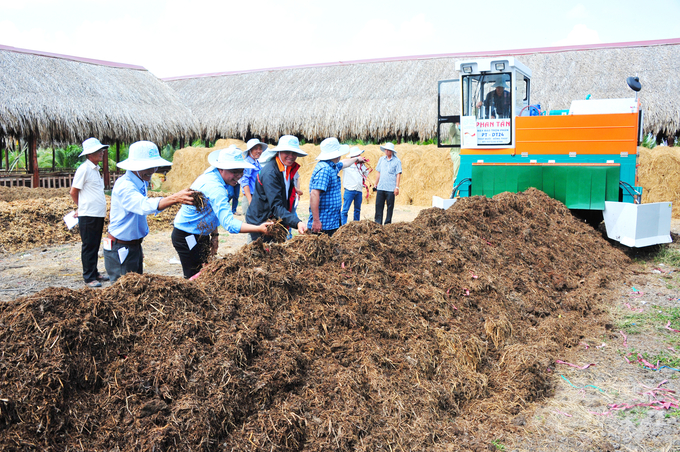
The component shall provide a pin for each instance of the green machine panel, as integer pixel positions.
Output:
(577, 186)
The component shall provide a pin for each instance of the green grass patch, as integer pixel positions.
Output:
(672, 413)
(635, 414)
(668, 255)
(498, 445)
(664, 358)
(653, 317)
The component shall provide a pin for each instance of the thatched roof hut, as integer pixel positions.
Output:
(65, 99)
(397, 97)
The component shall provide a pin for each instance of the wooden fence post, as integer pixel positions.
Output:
(33, 156)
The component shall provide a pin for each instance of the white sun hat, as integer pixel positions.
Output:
(267, 155)
(389, 146)
(355, 152)
(254, 142)
(331, 149)
(289, 143)
(92, 145)
(228, 159)
(500, 84)
(143, 155)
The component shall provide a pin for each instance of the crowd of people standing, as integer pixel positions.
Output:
(266, 180)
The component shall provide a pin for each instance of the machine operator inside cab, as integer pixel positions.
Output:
(494, 92)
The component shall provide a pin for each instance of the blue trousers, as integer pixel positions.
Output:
(349, 197)
(234, 199)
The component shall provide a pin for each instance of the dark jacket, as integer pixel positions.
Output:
(270, 199)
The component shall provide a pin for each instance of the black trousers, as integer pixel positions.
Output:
(132, 263)
(380, 199)
(192, 259)
(91, 229)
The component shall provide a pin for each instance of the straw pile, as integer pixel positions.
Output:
(188, 163)
(659, 175)
(19, 193)
(431, 335)
(38, 222)
(427, 170)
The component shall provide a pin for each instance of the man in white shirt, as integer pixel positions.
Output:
(354, 179)
(87, 191)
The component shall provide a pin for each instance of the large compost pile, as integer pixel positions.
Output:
(431, 335)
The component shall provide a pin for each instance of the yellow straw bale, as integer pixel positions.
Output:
(226, 142)
(659, 175)
(427, 171)
(187, 165)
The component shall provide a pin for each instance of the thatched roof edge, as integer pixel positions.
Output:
(374, 99)
(486, 53)
(65, 99)
(72, 58)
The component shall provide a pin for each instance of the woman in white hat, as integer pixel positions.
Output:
(254, 148)
(87, 191)
(130, 206)
(388, 177)
(324, 186)
(195, 235)
(274, 195)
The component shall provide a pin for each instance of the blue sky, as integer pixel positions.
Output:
(180, 37)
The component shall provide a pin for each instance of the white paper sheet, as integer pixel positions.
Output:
(122, 254)
(70, 219)
(191, 241)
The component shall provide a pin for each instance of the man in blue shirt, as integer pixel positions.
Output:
(129, 208)
(387, 181)
(195, 235)
(325, 201)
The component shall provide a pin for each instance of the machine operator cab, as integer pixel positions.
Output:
(489, 95)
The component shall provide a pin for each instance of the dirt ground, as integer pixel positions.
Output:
(584, 411)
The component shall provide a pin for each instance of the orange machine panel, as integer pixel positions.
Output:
(583, 134)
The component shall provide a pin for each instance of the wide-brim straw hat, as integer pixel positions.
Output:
(228, 159)
(332, 149)
(143, 155)
(92, 145)
(388, 146)
(355, 152)
(254, 142)
(289, 143)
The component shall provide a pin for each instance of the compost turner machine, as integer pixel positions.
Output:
(585, 157)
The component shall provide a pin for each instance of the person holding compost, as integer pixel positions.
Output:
(274, 195)
(130, 206)
(195, 235)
